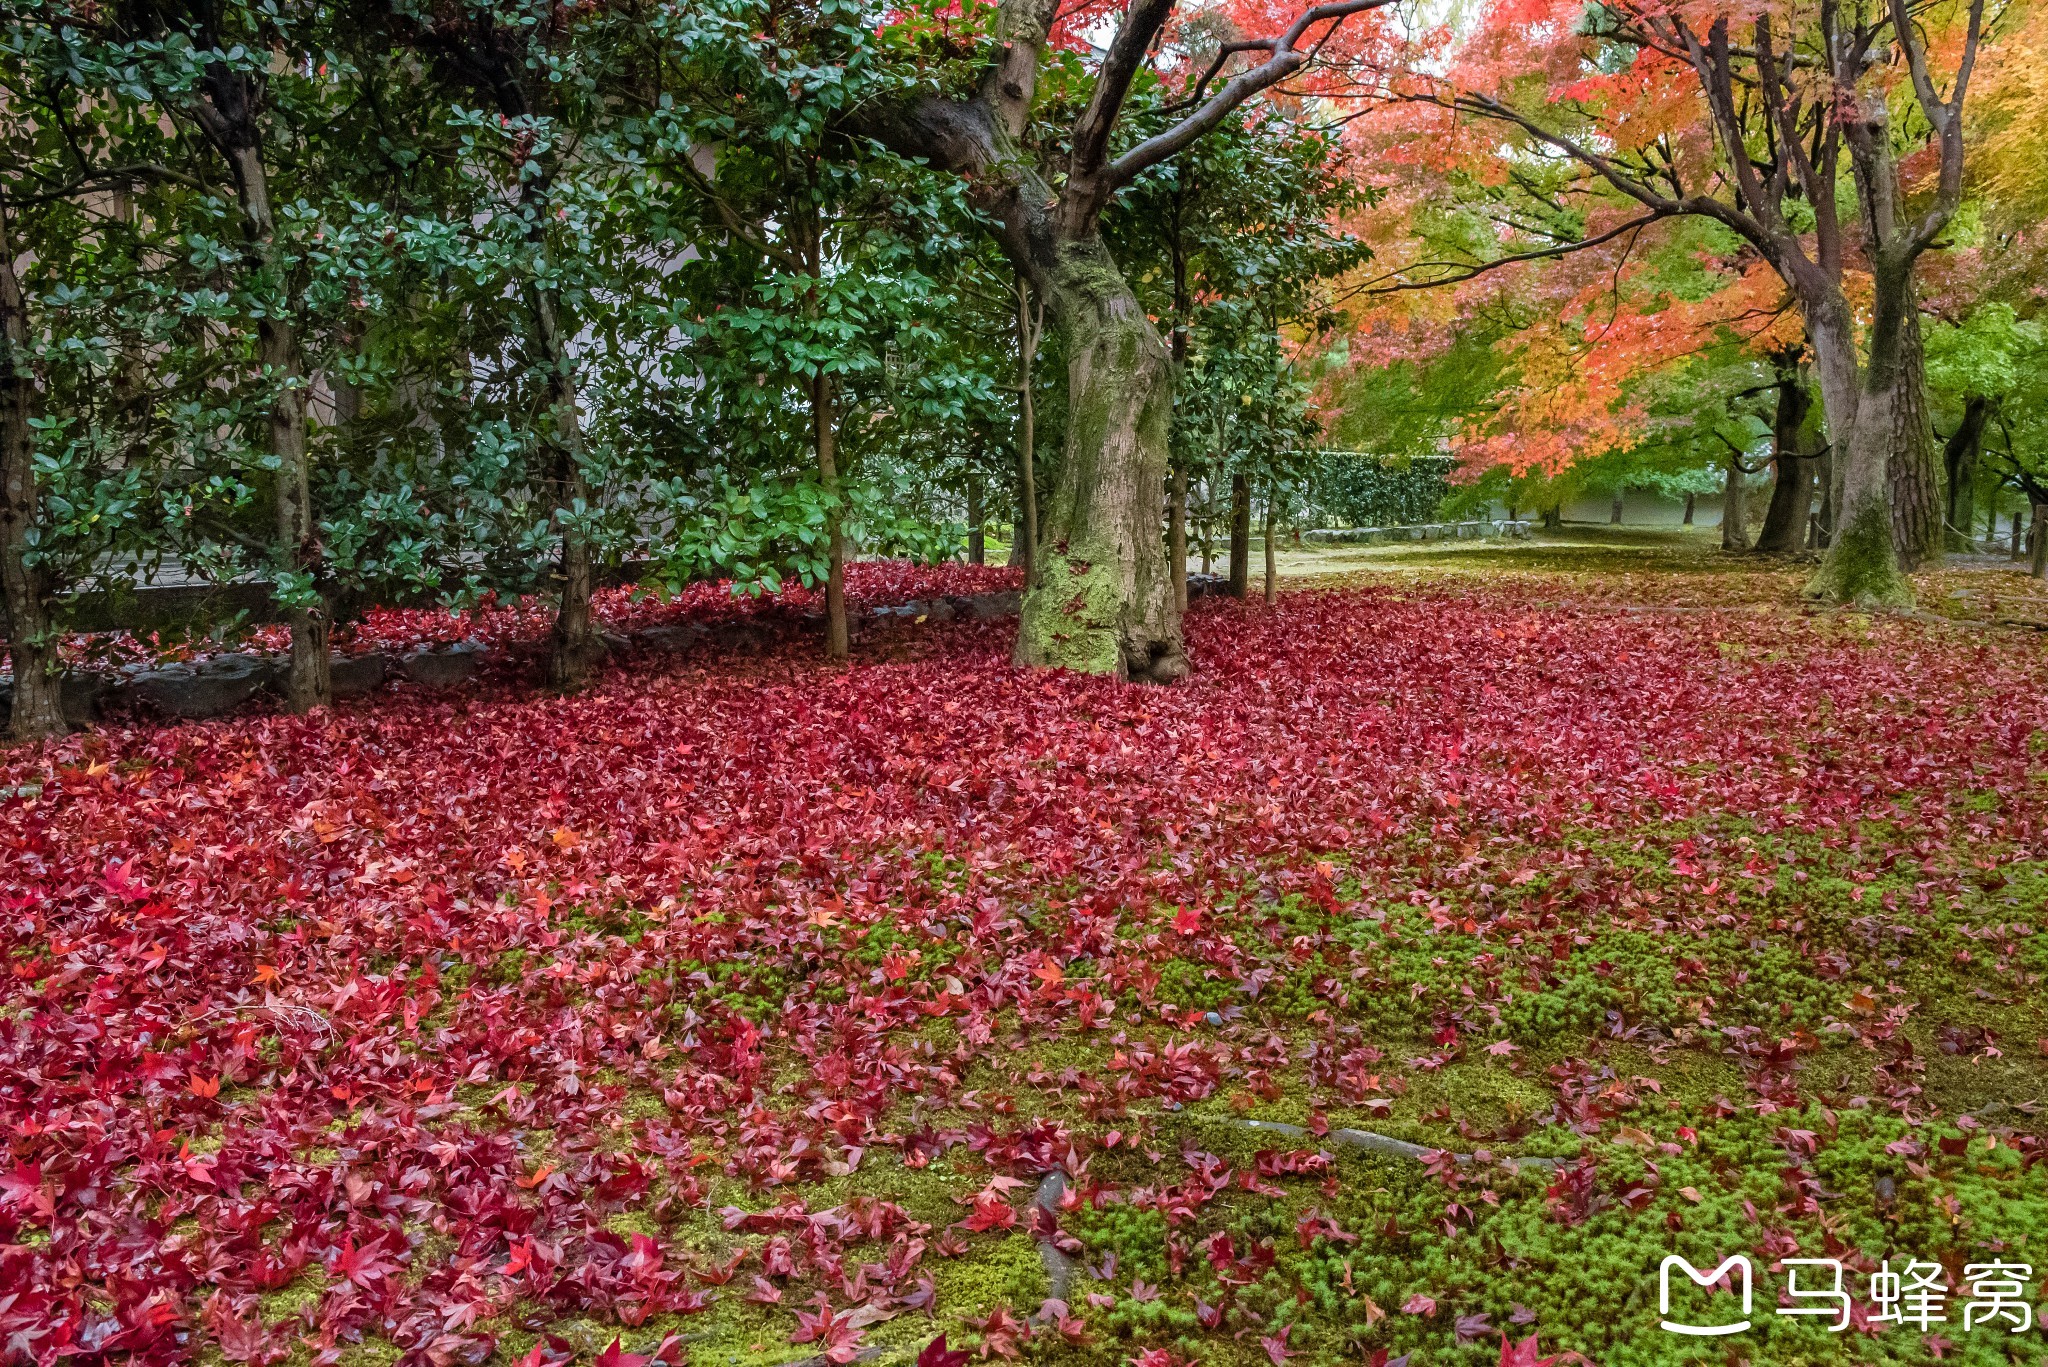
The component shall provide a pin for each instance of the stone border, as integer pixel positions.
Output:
(1515, 529)
(218, 686)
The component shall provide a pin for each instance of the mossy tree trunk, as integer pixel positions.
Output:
(1100, 597)
(1864, 413)
(38, 710)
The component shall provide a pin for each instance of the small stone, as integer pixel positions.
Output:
(1171, 1106)
(1212, 1018)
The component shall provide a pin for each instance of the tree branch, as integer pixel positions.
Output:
(1285, 59)
(1473, 272)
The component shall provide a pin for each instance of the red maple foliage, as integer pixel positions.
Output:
(286, 991)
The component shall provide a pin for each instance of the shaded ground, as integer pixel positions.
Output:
(734, 1012)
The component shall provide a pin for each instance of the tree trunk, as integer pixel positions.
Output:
(1177, 535)
(1792, 485)
(1272, 571)
(2018, 536)
(2039, 567)
(1959, 456)
(825, 437)
(977, 550)
(1734, 507)
(1686, 520)
(1614, 517)
(573, 645)
(1865, 415)
(1101, 600)
(1028, 327)
(277, 350)
(1553, 516)
(38, 710)
(1919, 492)
(1240, 535)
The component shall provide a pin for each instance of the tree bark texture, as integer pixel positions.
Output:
(1960, 455)
(825, 438)
(1272, 568)
(1784, 528)
(226, 108)
(1734, 507)
(38, 711)
(1240, 575)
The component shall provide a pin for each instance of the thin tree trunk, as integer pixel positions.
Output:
(977, 550)
(1614, 517)
(2039, 567)
(1272, 571)
(277, 348)
(1028, 325)
(2019, 544)
(1734, 507)
(573, 646)
(825, 437)
(1177, 534)
(1101, 600)
(1959, 456)
(1240, 535)
(38, 707)
(1686, 520)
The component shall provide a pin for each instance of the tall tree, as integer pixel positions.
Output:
(1787, 95)
(1100, 599)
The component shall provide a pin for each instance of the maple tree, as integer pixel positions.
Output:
(1673, 138)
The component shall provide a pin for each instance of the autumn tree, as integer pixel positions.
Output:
(1750, 119)
(1100, 598)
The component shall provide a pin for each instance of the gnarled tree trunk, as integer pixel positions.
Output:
(1100, 599)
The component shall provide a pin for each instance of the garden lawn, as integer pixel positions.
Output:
(731, 1011)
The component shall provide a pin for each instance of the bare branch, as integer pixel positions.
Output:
(1142, 22)
(1473, 272)
(1285, 59)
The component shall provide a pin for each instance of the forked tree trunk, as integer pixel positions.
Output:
(38, 707)
(1240, 535)
(1101, 599)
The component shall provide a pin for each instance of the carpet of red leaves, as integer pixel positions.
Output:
(424, 991)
